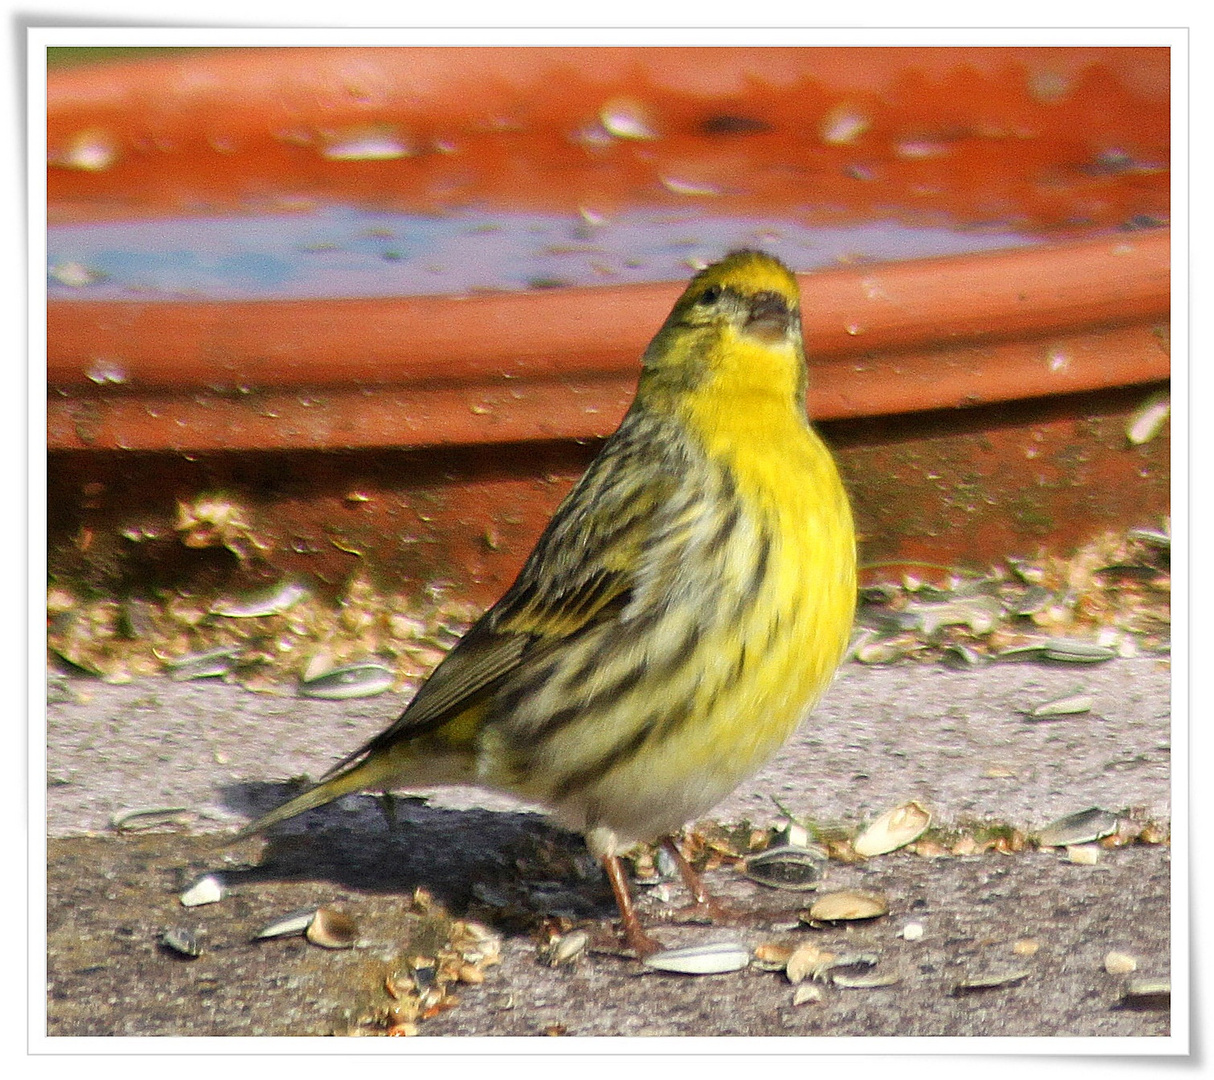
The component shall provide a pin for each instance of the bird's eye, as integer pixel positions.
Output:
(710, 295)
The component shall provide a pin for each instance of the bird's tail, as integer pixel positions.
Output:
(369, 773)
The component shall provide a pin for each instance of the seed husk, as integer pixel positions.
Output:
(715, 958)
(1147, 993)
(1064, 706)
(1082, 827)
(332, 929)
(805, 960)
(1083, 854)
(1076, 652)
(1119, 963)
(149, 817)
(807, 994)
(1154, 537)
(211, 664)
(206, 890)
(345, 683)
(894, 829)
(912, 931)
(182, 941)
(871, 981)
(1035, 598)
(848, 905)
(1149, 418)
(772, 956)
(991, 980)
(297, 922)
(273, 601)
(567, 948)
(787, 867)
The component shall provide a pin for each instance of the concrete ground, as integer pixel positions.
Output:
(959, 742)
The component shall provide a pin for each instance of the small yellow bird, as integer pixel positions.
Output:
(682, 612)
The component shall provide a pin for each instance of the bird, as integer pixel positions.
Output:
(684, 609)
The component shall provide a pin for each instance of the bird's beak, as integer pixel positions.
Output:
(769, 318)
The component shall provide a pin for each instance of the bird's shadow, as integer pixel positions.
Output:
(513, 861)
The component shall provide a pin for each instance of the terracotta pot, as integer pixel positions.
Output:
(978, 403)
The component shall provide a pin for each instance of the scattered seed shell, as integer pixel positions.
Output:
(847, 905)
(567, 948)
(206, 890)
(1032, 651)
(182, 941)
(1147, 993)
(871, 981)
(894, 829)
(149, 817)
(1064, 706)
(332, 929)
(711, 959)
(804, 960)
(1076, 652)
(1119, 963)
(787, 867)
(297, 922)
(1149, 418)
(1026, 947)
(1082, 827)
(211, 664)
(275, 601)
(807, 994)
(345, 683)
(1083, 854)
(912, 931)
(991, 980)
(772, 956)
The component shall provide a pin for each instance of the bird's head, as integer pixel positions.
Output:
(737, 326)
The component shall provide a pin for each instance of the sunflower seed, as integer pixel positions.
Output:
(864, 982)
(332, 929)
(203, 665)
(206, 890)
(149, 817)
(297, 922)
(1076, 652)
(272, 601)
(354, 681)
(1035, 599)
(807, 994)
(991, 980)
(182, 941)
(894, 829)
(1082, 827)
(712, 959)
(847, 905)
(787, 867)
(805, 960)
(1032, 651)
(1148, 419)
(1147, 994)
(567, 948)
(1119, 963)
(1064, 706)
(1083, 854)
(1154, 537)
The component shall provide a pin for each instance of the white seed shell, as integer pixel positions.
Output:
(848, 905)
(206, 890)
(894, 829)
(712, 959)
(297, 922)
(1119, 963)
